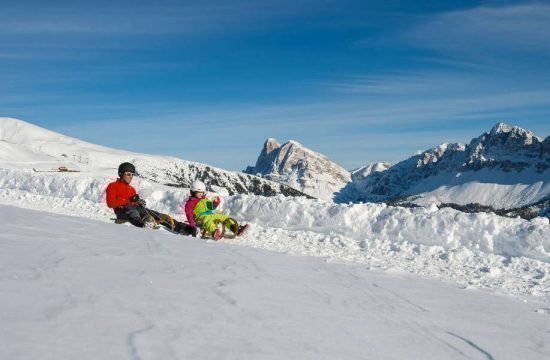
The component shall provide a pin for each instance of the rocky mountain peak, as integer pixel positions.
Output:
(505, 145)
(511, 131)
(299, 167)
(270, 145)
(501, 128)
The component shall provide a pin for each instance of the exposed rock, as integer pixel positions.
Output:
(506, 155)
(294, 165)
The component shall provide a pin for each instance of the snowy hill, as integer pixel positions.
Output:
(404, 281)
(504, 168)
(74, 288)
(295, 165)
(26, 146)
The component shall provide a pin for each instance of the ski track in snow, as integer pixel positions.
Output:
(475, 250)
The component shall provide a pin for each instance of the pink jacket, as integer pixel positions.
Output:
(189, 208)
(197, 207)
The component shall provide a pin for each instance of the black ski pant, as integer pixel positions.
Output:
(135, 214)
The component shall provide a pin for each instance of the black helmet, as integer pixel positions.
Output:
(124, 167)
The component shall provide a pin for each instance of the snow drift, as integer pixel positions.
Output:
(486, 250)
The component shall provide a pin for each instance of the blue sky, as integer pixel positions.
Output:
(210, 81)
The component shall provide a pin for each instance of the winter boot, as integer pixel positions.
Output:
(149, 223)
(243, 230)
(185, 229)
(217, 235)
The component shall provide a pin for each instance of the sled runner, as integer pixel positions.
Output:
(166, 220)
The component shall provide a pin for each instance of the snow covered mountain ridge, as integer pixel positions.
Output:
(301, 168)
(504, 168)
(27, 146)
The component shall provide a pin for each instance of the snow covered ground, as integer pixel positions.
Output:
(357, 281)
(483, 250)
(511, 256)
(75, 288)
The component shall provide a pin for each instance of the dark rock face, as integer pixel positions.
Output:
(267, 159)
(540, 208)
(183, 173)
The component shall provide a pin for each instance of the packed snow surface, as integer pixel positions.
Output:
(74, 288)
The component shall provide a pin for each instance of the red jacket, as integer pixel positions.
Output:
(119, 193)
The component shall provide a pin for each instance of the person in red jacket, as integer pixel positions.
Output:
(127, 205)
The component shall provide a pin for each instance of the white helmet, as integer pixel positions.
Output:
(198, 185)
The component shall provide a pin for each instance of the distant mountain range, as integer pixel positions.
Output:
(507, 167)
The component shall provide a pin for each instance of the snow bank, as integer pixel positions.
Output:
(423, 226)
(484, 250)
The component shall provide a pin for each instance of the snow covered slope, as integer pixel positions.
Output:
(112, 291)
(504, 168)
(301, 168)
(485, 250)
(74, 288)
(26, 146)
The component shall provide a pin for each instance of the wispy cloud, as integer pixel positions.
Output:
(367, 131)
(449, 76)
(116, 18)
(141, 18)
(484, 29)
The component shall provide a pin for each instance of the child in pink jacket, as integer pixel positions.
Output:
(200, 211)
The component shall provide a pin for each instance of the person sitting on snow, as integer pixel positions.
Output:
(127, 205)
(200, 212)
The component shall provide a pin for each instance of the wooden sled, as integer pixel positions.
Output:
(164, 219)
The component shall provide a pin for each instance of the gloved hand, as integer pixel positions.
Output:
(142, 202)
(216, 201)
(134, 198)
